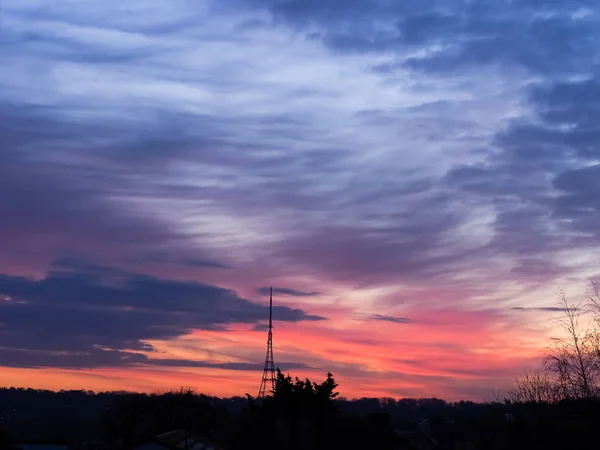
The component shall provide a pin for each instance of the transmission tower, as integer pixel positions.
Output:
(267, 385)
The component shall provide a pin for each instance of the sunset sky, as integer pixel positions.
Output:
(415, 179)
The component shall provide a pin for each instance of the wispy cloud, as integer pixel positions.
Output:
(285, 291)
(193, 262)
(392, 319)
(543, 308)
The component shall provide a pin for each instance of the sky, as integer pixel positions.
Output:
(414, 179)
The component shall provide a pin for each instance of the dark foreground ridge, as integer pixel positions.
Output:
(300, 415)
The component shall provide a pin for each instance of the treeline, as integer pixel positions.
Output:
(300, 415)
(128, 419)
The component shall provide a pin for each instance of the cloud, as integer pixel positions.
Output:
(541, 180)
(577, 201)
(227, 366)
(174, 258)
(193, 262)
(172, 166)
(285, 291)
(545, 309)
(536, 309)
(554, 131)
(455, 35)
(100, 316)
(413, 248)
(102, 358)
(393, 319)
(62, 206)
(88, 359)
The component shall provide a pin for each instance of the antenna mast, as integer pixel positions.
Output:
(267, 385)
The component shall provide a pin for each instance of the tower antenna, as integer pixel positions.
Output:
(267, 384)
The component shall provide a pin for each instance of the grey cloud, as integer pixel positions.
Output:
(37, 202)
(102, 316)
(384, 318)
(578, 201)
(96, 357)
(538, 268)
(80, 266)
(305, 12)
(149, 147)
(66, 197)
(194, 262)
(412, 247)
(516, 177)
(574, 102)
(546, 309)
(580, 183)
(285, 291)
(91, 358)
(134, 164)
(472, 33)
(86, 217)
(361, 230)
(227, 366)
(541, 179)
(174, 259)
(95, 287)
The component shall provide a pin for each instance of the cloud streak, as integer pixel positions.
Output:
(392, 319)
(285, 291)
(543, 308)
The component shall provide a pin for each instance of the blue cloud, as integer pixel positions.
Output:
(102, 316)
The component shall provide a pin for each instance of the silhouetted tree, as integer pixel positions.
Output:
(571, 369)
(573, 358)
(297, 411)
(535, 386)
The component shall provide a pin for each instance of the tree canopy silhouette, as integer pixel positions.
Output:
(301, 397)
(296, 411)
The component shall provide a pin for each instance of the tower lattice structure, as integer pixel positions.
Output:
(267, 384)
